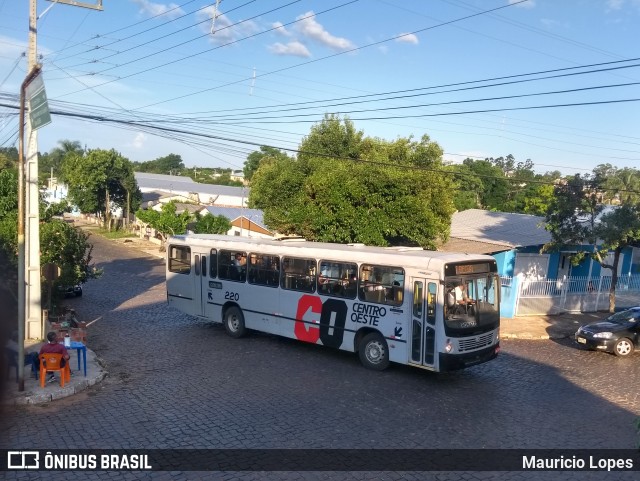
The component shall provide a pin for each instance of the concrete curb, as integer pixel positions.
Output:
(33, 394)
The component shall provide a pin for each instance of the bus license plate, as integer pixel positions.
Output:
(582, 340)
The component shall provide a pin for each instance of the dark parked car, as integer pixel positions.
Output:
(71, 291)
(619, 333)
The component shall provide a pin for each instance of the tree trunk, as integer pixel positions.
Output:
(126, 215)
(107, 211)
(614, 279)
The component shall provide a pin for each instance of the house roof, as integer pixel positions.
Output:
(177, 183)
(483, 231)
(153, 197)
(233, 213)
(191, 208)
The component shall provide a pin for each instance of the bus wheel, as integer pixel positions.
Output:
(234, 322)
(374, 352)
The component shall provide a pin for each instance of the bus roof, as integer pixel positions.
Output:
(361, 253)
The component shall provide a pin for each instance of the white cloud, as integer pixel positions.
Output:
(295, 49)
(408, 38)
(527, 4)
(384, 49)
(224, 29)
(280, 29)
(152, 9)
(309, 28)
(12, 47)
(614, 4)
(139, 141)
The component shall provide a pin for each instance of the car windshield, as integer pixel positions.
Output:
(624, 317)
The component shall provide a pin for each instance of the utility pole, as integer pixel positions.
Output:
(30, 322)
(21, 232)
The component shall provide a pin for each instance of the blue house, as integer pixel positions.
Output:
(516, 241)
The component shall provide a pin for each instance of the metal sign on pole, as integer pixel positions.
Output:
(39, 114)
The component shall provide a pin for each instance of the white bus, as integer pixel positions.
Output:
(434, 310)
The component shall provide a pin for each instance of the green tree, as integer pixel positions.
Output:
(169, 164)
(467, 187)
(99, 181)
(494, 192)
(60, 243)
(397, 194)
(8, 158)
(254, 158)
(166, 222)
(55, 158)
(579, 219)
(69, 249)
(211, 224)
(9, 213)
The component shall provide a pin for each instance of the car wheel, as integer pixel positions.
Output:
(623, 347)
(374, 352)
(234, 322)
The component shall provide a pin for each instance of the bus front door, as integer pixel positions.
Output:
(423, 320)
(200, 281)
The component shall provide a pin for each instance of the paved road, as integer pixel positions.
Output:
(178, 382)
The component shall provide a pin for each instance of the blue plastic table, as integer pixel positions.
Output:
(79, 347)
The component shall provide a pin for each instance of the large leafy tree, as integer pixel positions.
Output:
(166, 222)
(211, 224)
(60, 243)
(169, 164)
(100, 180)
(9, 212)
(578, 218)
(69, 249)
(254, 158)
(345, 187)
(8, 158)
(54, 159)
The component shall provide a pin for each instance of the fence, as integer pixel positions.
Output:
(523, 296)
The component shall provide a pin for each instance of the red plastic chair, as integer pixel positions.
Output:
(50, 362)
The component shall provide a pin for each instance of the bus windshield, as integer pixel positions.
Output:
(471, 303)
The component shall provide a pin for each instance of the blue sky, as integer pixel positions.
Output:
(271, 69)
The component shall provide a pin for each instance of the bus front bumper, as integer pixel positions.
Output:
(455, 362)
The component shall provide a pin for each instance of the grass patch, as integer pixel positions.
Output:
(115, 234)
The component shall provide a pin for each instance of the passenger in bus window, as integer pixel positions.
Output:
(240, 263)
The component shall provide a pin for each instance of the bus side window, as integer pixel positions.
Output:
(213, 263)
(232, 265)
(179, 259)
(264, 270)
(337, 279)
(298, 274)
(381, 284)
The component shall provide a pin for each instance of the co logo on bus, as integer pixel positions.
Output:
(330, 335)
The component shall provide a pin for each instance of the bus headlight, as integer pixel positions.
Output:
(448, 347)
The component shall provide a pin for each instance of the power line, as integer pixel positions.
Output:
(120, 29)
(354, 99)
(505, 109)
(188, 41)
(157, 129)
(452, 102)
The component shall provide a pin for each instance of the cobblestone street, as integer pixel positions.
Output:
(179, 382)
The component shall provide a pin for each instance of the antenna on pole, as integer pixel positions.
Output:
(253, 81)
(93, 6)
(214, 15)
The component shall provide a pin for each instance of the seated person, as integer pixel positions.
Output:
(30, 358)
(461, 295)
(52, 347)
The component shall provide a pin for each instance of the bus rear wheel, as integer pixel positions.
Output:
(234, 322)
(374, 352)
